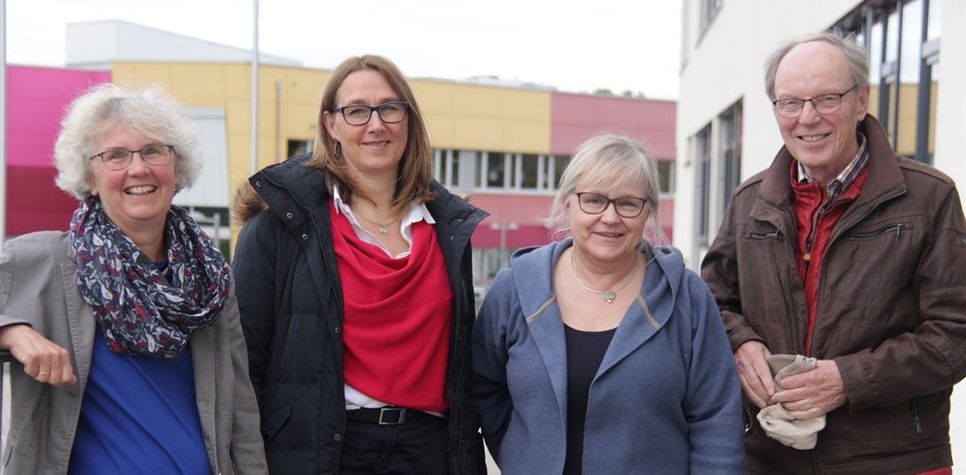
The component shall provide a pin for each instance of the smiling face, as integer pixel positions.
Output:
(607, 239)
(823, 143)
(136, 199)
(374, 149)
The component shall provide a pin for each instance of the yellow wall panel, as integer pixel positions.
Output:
(479, 117)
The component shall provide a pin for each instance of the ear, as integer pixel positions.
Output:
(862, 95)
(328, 120)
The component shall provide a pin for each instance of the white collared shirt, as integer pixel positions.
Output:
(417, 212)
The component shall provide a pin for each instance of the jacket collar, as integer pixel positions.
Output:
(533, 281)
(885, 176)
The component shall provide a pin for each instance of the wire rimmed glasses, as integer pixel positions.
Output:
(391, 112)
(595, 203)
(120, 158)
(792, 107)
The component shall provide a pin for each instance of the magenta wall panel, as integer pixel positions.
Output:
(577, 117)
(37, 98)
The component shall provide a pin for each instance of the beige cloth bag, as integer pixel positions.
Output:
(775, 420)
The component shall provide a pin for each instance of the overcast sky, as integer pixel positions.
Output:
(574, 46)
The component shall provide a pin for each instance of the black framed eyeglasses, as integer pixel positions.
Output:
(792, 107)
(121, 158)
(595, 203)
(391, 112)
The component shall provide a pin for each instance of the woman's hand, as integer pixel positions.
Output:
(42, 359)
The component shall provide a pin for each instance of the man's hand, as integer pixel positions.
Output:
(813, 393)
(756, 378)
(42, 359)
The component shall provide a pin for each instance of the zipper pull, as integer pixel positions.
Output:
(898, 230)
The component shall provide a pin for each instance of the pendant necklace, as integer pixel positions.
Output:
(383, 228)
(608, 295)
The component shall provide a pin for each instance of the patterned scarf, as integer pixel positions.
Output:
(140, 311)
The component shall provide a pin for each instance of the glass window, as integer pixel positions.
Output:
(702, 152)
(298, 147)
(560, 163)
(730, 152)
(665, 176)
(495, 169)
(529, 169)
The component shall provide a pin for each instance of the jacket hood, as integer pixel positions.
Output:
(276, 184)
(533, 270)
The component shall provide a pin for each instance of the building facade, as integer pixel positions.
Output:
(504, 147)
(726, 130)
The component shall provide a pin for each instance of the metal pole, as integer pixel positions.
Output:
(254, 120)
(3, 120)
(278, 120)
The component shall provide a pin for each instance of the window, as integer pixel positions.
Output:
(665, 176)
(295, 148)
(558, 163)
(730, 153)
(497, 169)
(702, 155)
(529, 170)
(903, 40)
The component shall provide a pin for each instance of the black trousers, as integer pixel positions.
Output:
(420, 445)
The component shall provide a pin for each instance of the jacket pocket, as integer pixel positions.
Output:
(764, 235)
(275, 423)
(889, 229)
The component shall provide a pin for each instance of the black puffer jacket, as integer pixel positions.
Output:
(290, 299)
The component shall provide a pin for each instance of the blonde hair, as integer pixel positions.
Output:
(609, 159)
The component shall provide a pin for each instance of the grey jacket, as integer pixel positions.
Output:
(38, 286)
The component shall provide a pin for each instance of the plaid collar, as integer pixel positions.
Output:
(847, 175)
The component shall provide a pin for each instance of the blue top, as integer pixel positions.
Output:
(139, 416)
(666, 398)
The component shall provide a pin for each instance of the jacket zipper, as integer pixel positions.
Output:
(914, 405)
(898, 227)
(835, 236)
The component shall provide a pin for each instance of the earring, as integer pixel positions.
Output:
(338, 150)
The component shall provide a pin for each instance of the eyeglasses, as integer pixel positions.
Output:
(121, 158)
(627, 207)
(824, 104)
(391, 112)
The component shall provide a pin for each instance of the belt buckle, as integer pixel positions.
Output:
(399, 412)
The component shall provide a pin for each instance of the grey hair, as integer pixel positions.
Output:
(855, 56)
(152, 113)
(609, 159)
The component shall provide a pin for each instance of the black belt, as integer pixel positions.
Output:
(385, 416)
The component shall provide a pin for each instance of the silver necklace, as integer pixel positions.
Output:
(608, 295)
(383, 228)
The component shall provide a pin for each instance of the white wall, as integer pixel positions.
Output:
(720, 67)
(951, 101)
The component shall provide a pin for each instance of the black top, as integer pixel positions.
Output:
(585, 351)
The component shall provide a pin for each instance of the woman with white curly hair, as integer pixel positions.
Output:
(126, 326)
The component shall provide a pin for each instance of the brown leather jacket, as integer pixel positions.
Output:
(892, 310)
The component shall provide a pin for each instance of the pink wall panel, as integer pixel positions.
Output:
(576, 117)
(37, 98)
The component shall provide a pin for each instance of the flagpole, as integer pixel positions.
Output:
(3, 120)
(254, 120)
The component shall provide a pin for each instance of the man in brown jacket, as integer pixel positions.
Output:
(843, 251)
